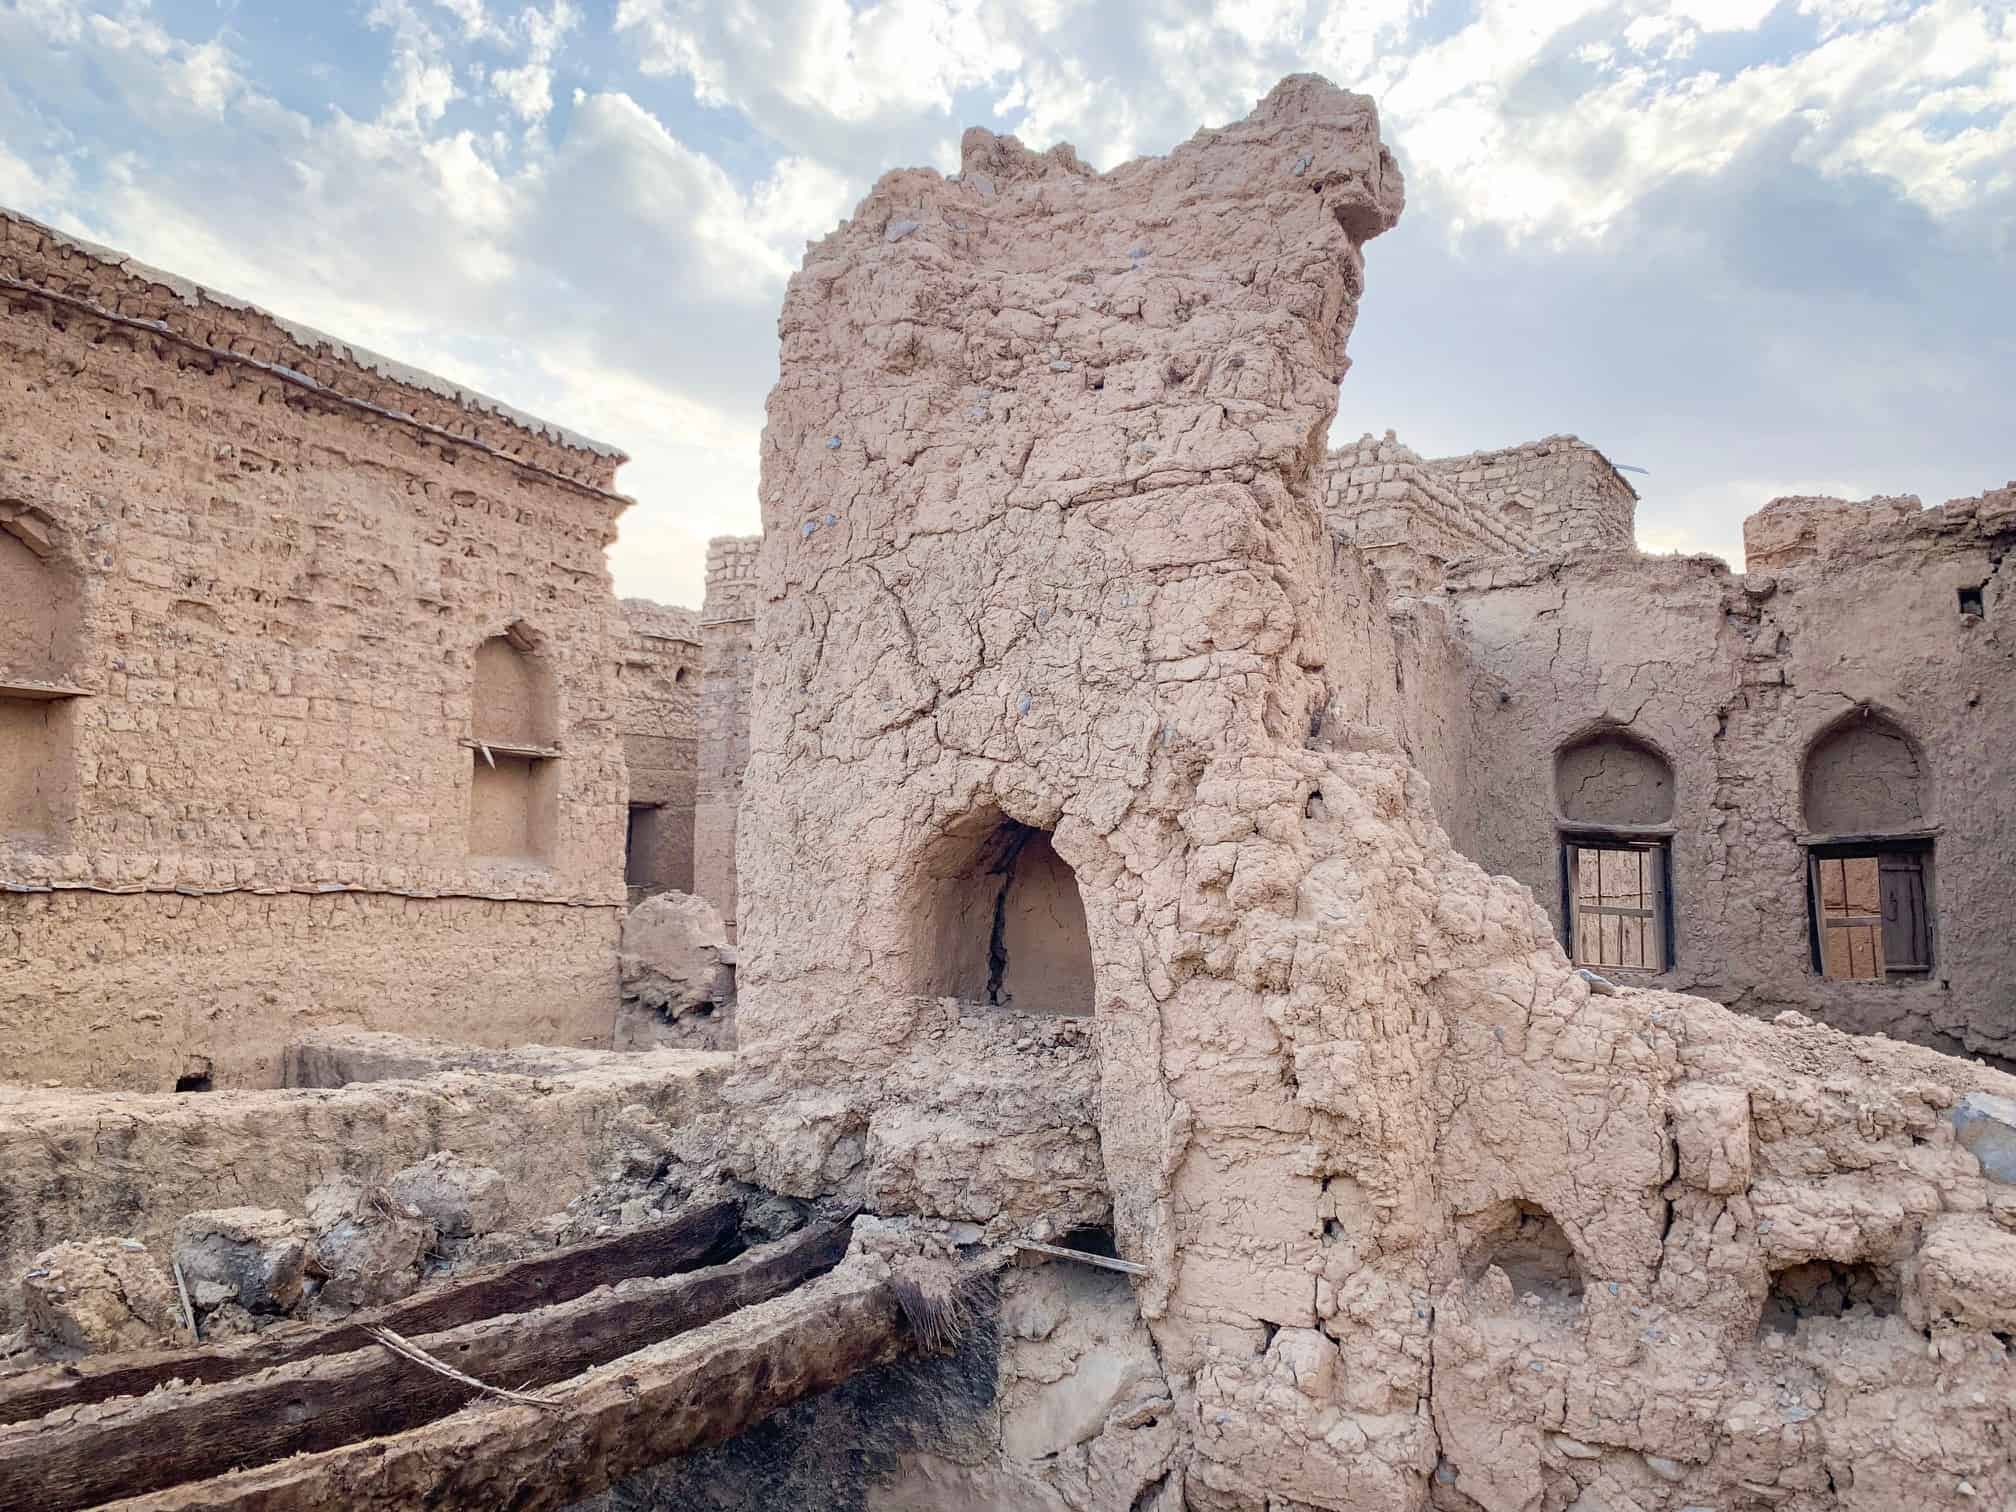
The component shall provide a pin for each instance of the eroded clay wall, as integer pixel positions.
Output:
(285, 570)
(1732, 679)
(727, 632)
(660, 682)
(1422, 1218)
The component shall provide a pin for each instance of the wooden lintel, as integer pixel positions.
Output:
(670, 1399)
(694, 1236)
(182, 1434)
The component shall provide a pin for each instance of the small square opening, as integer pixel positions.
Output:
(1971, 600)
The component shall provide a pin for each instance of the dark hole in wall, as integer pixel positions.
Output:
(1523, 1240)
(1824, 1289)
(1971, 600)
(193, 1081)
(1093, 1241)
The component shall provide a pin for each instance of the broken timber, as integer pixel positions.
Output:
(179, 1434)
(702, 1235)
(668, 1399)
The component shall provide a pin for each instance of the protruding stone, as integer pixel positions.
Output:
(1986, 1125)
(459, 1199)
(99, 1295)
(368, 1246)
(255, 1257)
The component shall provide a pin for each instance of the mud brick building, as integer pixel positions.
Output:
(308, 697)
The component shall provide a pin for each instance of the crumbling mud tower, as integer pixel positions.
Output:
(1084, 881)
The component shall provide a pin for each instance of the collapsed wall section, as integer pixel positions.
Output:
(309, 625)
(1043, 551)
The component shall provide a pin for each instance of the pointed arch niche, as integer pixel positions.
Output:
(514, 781)
(1867, 801)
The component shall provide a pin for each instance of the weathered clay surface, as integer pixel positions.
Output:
(74, 1165)
(678, 976)
(97, 1295)
(459, 1198)
(1732, 679)
(254, 1257)
(369, 1247)
(260, 568)
(1043, 547)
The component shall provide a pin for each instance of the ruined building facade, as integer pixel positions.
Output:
(309, 707)
(1153, 838)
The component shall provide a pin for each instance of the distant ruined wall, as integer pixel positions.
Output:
(1566, 493)
(1426, 1220)
(660, 681)
(1732, 679)
(1383, 500)
(727, 630)
(286, 588)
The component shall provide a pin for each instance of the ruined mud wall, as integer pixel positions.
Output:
(660, 684)
(1732, 679)
(727, 628)
(266, 567)
(77, 1165)
(1561, 490)
(1043, 548)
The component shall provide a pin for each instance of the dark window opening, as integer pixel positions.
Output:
(196, 1076)
(1971, 601)
(640, 844)
(1617, 903)
(1871, 910)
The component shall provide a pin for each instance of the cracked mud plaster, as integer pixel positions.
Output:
(1075, 577)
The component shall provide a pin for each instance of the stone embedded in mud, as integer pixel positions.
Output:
(98, 1295)
(459, 1199)
(1986, 1125)
(368, 1247)
(678, 976)
(254, 1257)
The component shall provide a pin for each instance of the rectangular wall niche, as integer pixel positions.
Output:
(37, 775)
(513, 807)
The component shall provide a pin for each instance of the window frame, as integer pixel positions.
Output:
(1655, 842)
(1872, 847)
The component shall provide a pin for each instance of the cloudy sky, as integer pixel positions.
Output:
(1753, 247)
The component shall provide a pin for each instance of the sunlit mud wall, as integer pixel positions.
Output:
(307, 691)
(1044, 573)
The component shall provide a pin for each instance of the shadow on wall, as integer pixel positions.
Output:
(1004, 923)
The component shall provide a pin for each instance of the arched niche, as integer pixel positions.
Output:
(1610, 778)
(38, 629)
(511, 703)
(1002, 923)
(1864, 776)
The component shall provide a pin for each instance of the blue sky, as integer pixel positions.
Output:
(1753, 247)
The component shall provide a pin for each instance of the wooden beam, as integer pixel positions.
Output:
(694, 1236)
(179, 1434)
(670, 1399)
